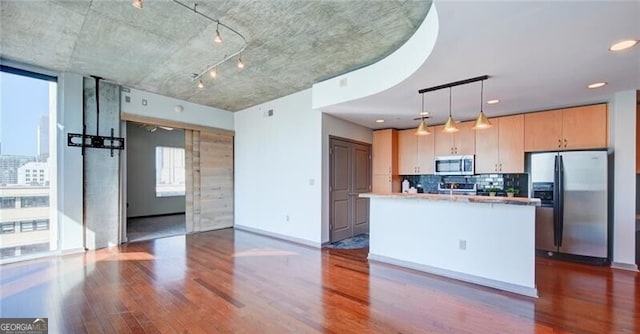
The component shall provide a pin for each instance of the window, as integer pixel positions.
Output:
(28, 107)
(170, 173)
(7, 203)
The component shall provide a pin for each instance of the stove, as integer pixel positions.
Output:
(457, 188)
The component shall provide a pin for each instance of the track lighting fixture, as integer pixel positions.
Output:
(423, 128)
(482, 122)
(218, 38)
(211, 69)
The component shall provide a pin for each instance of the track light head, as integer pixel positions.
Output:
(200, 84)
(218, 38)
(137, 3)
(240, 63)
(213, 73)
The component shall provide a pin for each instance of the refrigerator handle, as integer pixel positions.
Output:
(556, 198)
(560, 200)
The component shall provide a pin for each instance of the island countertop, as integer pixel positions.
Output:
(458, 198)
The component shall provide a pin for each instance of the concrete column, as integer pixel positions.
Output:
(101, 171)
(622, 113)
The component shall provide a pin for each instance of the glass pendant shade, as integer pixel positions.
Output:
(482, 122)
(423, 129)
(450, 125)
(137, 3)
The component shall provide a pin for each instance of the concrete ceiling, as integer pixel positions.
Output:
(540, 55)
(291, 44)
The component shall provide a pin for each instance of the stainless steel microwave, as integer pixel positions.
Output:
(455, 165)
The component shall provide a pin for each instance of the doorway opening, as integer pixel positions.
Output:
(349, 175)
(155, 180)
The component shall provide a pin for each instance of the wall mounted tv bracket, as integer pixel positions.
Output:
(84, 140)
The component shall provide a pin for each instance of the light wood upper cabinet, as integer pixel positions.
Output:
(511, 144)
(385, 151)
(500, 149)
(566, 129)
(543, 131)
(584, 127)
(462, 142)
(415, 153)
(385, 177)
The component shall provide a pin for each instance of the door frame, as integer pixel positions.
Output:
(331, 174)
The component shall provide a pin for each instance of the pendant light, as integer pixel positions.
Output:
(450, 125)
(482, 122)
(423, 128)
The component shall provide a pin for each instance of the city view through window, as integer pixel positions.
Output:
(26, 104)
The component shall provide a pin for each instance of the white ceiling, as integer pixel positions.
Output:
(539, 55)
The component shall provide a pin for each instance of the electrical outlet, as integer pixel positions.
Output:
(462, 244)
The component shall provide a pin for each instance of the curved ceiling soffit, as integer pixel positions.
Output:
(388, 72)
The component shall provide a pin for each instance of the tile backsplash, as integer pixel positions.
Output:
(429, 183)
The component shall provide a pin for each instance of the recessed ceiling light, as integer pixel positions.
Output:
(379, 120)
(622, 45)
(493, 101)
(596, 85)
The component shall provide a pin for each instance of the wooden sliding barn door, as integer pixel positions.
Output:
(209, 180)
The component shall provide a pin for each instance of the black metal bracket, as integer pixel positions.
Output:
(453, 84)
(84, 140)
(95, 141)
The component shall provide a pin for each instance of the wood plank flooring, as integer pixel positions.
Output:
(230, 281)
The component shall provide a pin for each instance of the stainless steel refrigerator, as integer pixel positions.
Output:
(572, 222)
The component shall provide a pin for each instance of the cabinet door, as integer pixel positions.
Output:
(443, 142)
(487, 147)
(543, 131)
(584, 127)
(408, 152)
(465, 139)
(384, 151)
(426, 153)
(511, 139)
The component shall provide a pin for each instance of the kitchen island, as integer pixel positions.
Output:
(479, 239)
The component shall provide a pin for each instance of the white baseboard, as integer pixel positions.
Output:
(519, 289)
(624, 266)
(279, 236)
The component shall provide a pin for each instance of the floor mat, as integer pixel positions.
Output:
(358, 241)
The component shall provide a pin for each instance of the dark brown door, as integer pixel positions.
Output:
(350, 175)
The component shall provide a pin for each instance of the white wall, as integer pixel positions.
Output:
(278, 169)
(162, 107)
(387, 72)
(332, 126)
(141, 171)
(622, 113)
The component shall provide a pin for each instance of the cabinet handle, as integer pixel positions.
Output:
(565, 142)
(559, 143)
(496, 168)
(501, 167)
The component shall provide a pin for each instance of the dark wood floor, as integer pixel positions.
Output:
(237, 282)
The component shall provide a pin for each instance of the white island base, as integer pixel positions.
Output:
(482, 240)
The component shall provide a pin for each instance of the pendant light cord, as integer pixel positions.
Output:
(481, 94)
(422, 111)
(449, 101)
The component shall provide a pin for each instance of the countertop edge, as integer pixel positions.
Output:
(458, 198)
